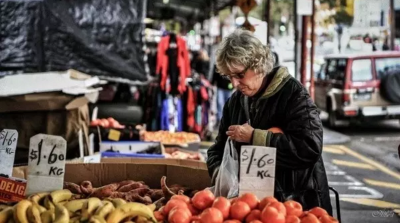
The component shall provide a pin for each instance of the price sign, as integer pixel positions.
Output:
(257, 170)
(114, 135)
(8, 143)
(46, 165)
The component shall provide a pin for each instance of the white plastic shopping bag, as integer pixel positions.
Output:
(227, 180)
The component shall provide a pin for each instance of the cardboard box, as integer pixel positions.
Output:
(192, 174)
(52, 103)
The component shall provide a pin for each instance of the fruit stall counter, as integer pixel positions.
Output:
(149, 192)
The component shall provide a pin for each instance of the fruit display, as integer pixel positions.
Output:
(168, 138)
(107, 123)
(61, 207)
(204, 207)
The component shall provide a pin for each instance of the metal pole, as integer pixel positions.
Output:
(392, 25)
(312, 50)
(267, 17)
(303, 66)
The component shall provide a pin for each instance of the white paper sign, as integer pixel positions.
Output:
(8, 143)
(257, 170)
(46, 165)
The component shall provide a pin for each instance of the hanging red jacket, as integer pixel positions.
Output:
(183, 62)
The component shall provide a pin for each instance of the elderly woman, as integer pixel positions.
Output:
(279, 113)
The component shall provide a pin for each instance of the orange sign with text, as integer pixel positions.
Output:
(11, 190)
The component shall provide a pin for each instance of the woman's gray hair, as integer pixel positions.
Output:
(242, 48)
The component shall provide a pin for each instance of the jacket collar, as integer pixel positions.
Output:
(280, 78)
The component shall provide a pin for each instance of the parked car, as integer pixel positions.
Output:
(359, 87)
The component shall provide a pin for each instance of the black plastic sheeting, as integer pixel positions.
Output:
(98, 37)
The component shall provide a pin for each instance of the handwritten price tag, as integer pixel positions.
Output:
(257, 170)
(8, 143)
(46, 163)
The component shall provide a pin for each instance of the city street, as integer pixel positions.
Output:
(363, 165)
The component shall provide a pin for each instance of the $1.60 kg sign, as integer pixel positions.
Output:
(46, 163)
(257, 170)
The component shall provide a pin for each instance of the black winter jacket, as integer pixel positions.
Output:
(286, 104)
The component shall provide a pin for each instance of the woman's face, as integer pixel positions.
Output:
(245, 80)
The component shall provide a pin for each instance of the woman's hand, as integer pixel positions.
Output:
(240, 133)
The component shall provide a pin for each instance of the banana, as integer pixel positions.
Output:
(48, 203)
(60, 195)
(118, 202)
(89, 207)
(104, 210)
(74, 219)
(97, 219)
(47, 216)
(33, 214)
(75, 205)
(131, 209)
(20, 211)
(2, 207)
(62, 214)
(152, 207)
(41, 208)
(141, 219)
(38, 198)
(6, 214)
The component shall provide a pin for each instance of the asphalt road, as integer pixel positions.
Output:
(364, 167)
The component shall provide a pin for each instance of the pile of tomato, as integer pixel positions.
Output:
(204, 207)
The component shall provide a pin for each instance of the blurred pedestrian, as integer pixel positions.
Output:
(224, 90)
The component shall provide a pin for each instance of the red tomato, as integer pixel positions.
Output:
(211, 215)
(224, 205)
(271, 215)
(279, 206)
(203, 199)
(239, 210)
(254, 215)
(317, 211)
(250, 199)
(293, 208)
(328, 219)
(266, 201)
(174, 204)
(310, 218)
(179, 215)
(184, 198)
(232, 221)
(292, 219)
(159, 216)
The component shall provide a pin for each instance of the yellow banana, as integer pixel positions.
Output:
(104, 210)
(33, 214)
(38, 198)
(2, 207)
(62, 214)
(41, 208)
(60, 195)
(131, 209)
(74, 219)
(118, 202)
(47, 216)
(141, 219)
(152, 207)
(6, 214)
(20, 211)
(48, 203)
(97, 219)
(75, 205)
(89, 207)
